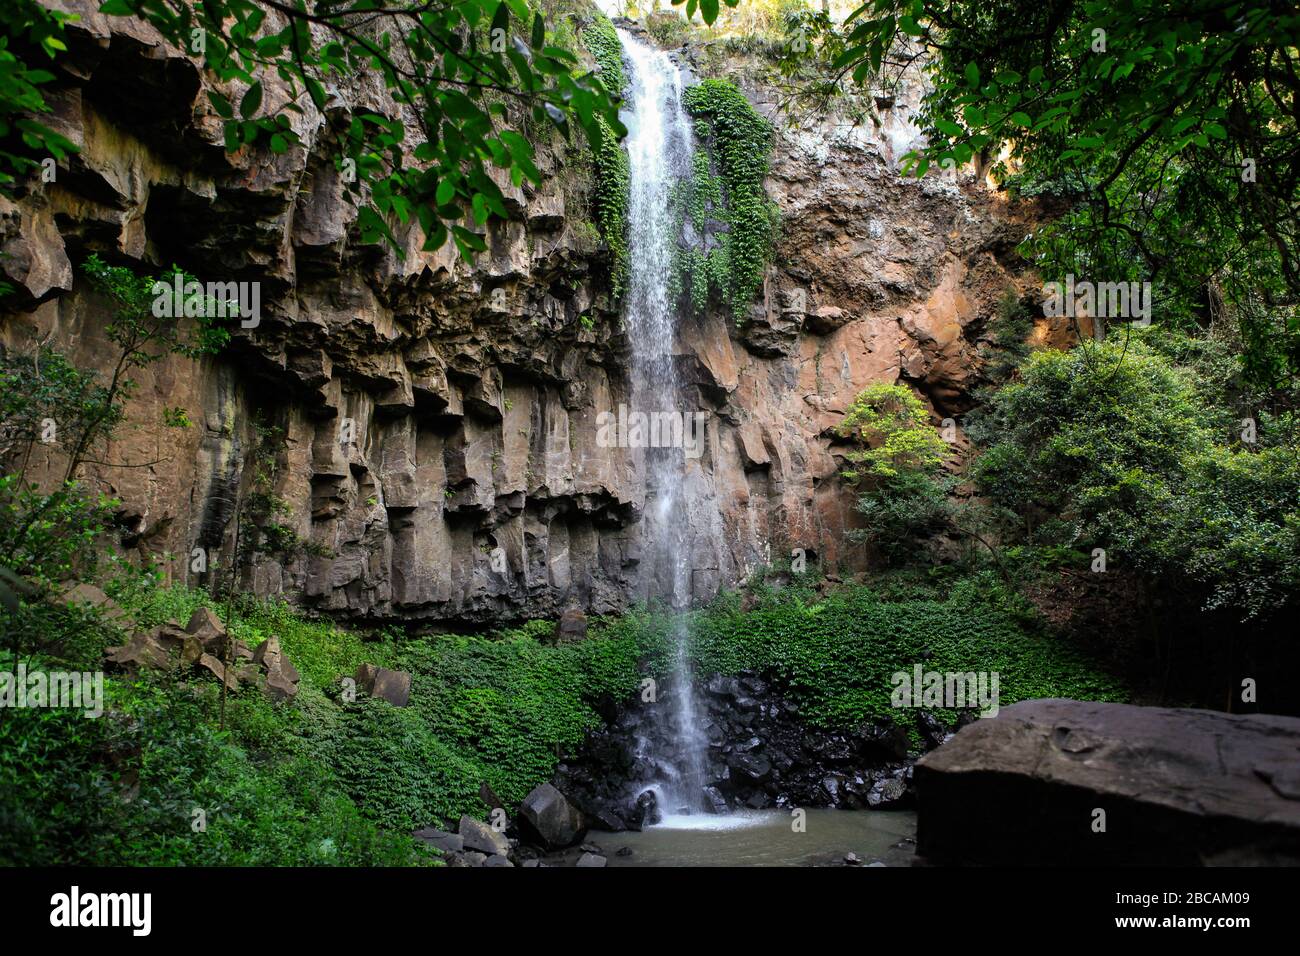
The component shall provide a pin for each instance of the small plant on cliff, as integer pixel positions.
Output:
(893, 430)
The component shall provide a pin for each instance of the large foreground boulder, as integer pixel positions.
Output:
(549, 819)
(1073, 782)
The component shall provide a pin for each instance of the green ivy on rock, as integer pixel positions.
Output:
(736, 143)
(613, 174)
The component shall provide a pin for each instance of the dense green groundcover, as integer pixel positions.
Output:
(323, 781)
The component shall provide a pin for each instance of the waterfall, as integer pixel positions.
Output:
(659, 145)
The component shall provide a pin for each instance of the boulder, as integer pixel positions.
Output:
(590, 860)
(882, 740)
(477, 835)
(714, 801)
(645, 812)
(548, 818)
(392, 686)
(279, 687)
(439, 840)
(208, 629)
(218, 670)
(87, 595)
(751, 767)
(889, 793)
(270, 656)
(1177, 786)
(573, 625)
(142, 650)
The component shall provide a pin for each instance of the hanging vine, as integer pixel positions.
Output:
(613, 176)
(727, 185)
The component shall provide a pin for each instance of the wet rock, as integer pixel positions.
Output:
(714, 801)
(646, 810)
(889, 793)
(933, 730)
(548, 818)
(882, 739)
(752, 767)
(590, 860)
(720, 686)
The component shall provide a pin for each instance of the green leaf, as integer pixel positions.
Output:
(221, 105)
(251, 101)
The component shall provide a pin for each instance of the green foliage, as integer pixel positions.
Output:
(894, 430)
(738, 145)
(836, 656)
(1008, 331)
(24, 142)
(613, 171)
(1169, 128)
(469, 75)
(123, 790)
(1115, 447)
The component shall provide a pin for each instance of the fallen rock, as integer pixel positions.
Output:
(440, 840)
(279, 687)
(142, 650)
(218, 670)
(392, 686)
(549, 819)
(207, 627)
(573, 625)
(281, 676)
(590, 860)
(87, 595)
(477, 835)
(270, 656)
(1177, 786)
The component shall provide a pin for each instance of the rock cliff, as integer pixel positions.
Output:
(436, 420)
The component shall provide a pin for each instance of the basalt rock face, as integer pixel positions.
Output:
(440, 450)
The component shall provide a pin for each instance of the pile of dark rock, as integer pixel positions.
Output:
(761, 754)
(547, 830)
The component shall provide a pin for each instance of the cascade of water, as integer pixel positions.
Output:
(659, 145)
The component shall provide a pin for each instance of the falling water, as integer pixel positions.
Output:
(659, 145)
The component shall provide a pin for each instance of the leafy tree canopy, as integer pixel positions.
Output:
(467, 77)
(1166, 130)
